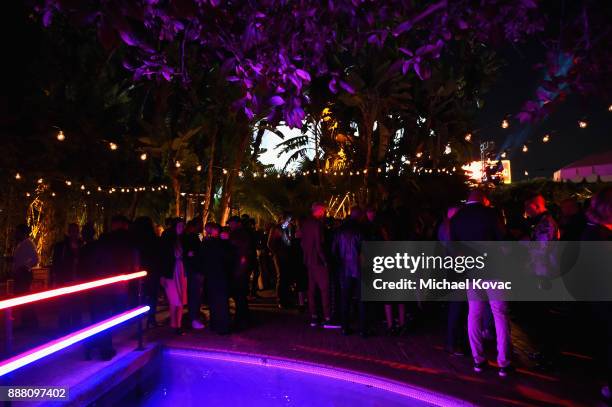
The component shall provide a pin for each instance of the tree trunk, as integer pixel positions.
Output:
(233, 172)
(209, 179)
(176, 188)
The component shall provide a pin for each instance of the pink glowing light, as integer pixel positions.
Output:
(26, 299)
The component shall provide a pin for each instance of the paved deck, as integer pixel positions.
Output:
(417, 358)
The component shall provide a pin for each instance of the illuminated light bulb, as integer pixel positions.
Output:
(61, 136)
(52, 193)
(254, 175)
(419, 154)
(505, 124)
(379, 170)
(610, 108)
(335, 174)
(546, 138)
(177, 164)
(40, 180)
(454, 169)
(408, 162)
(265, 175)
(202, 203)
(88, 192)
(526, 173)
(27, 194)
(18, 176)
(199, 168)
(447, 149)
(503, 154)
(468, 137)
(357, 173)
(351, 173)
(82, 187)
(365, 171)
(122, 189)
(342, 173)
(278, 176)
(391, 167)
(68, 182)
(112, 146)
(183, 193)
(525, 148)
(99, 189)
(143, 156)
(224, 171)
(582, 124)
(240, 174)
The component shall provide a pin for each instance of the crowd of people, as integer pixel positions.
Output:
(313, 264)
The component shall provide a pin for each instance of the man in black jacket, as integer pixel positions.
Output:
(64, 271)
(243, 246)
(216, 262)
(476, 221)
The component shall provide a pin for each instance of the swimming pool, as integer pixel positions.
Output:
(184, 378)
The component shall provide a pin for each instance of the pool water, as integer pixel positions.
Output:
(189, 378)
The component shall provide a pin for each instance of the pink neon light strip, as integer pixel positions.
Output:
(26, 299)
(56, 345)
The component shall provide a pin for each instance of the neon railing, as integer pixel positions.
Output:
(25, 358)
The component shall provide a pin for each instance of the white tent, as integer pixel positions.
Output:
(591, 168)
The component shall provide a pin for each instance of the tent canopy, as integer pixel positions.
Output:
(591, 168)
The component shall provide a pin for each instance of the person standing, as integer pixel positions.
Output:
(476, 221)
(456, 341)
(216, 262)
(65, 271)
(173, 277)
(315, 258)
(25, 258)
(279, 244)
(195, 275)
(240, 238)
(599, 228)
(347, 247)
(148, 246)
(115, 255)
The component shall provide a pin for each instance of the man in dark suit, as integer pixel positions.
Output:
(243, 246)
(476, 221)
(215, 259)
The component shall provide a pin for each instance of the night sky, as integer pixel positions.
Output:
(517, 83)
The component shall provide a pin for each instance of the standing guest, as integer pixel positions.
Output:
(279, 244)
(148, 247)
(599, 228)
(456, 340)
(243, 246)
(347, 247)
(300, 272)
(248, 225)
(572, 220)
(215, 260)
(172, 274)
(543, 228)
(195, 275)
(115, 254)
(315, 258)
(64, 271)
(25, 258)
(476, 221)
(87, 271)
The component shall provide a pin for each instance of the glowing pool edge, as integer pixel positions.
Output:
(331, 372)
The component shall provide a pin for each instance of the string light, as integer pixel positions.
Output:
(52, 193)
(610, 108)
(40, 181)
(546, 138)
(18, 176)
(112, 146)
(447, 149)
(505, 124)
(526, 173)
(468, 137)
(143, 156)
(177, 164)
(61, 136)
(199, 168)
(419, 154)
(99, 189)
(28, 194)
(224, 171)
(503, 154)
(582, 124)
(68, 182)
(525, 148)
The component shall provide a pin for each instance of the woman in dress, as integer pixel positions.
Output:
(173, 277)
